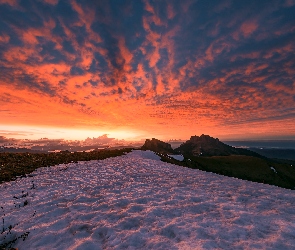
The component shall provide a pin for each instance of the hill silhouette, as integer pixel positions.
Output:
(209, 154)
(157, 146)
(206, 145)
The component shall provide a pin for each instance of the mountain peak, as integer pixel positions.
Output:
(203, 138)
(157, 146)
(206, 145)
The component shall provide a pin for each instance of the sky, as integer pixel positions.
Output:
(139, 69)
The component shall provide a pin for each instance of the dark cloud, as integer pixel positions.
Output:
(66, 100)
(3, 139)
(67, 46)
(65, 12)
(31, 81)
(76, 71)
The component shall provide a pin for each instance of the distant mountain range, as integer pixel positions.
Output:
(277, 153)
(59, 148)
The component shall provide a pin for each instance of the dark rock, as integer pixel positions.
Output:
(157, 146)
(205, 145)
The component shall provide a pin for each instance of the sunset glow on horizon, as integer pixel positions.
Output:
(74, 69)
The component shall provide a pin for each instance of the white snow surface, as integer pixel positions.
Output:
(273, 169)
(136, 201)
(177, 157)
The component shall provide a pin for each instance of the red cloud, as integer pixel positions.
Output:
(52, 2)
(289, 3)
(248, 27)
(13, 3)
(4, 38)
(170, 11)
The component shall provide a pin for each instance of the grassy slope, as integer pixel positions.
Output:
(244, 167)
(20, 164)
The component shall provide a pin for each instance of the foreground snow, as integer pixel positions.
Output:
(138, 202)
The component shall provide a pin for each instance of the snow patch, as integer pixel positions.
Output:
(177, 157)
(144, 155)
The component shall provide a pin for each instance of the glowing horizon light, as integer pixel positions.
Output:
(32, 132)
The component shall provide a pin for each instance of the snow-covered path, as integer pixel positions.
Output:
(138, 202)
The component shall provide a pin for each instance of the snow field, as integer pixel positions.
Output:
(138, 202)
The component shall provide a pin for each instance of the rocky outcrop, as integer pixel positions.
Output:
(205, 145)
(157, 146)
